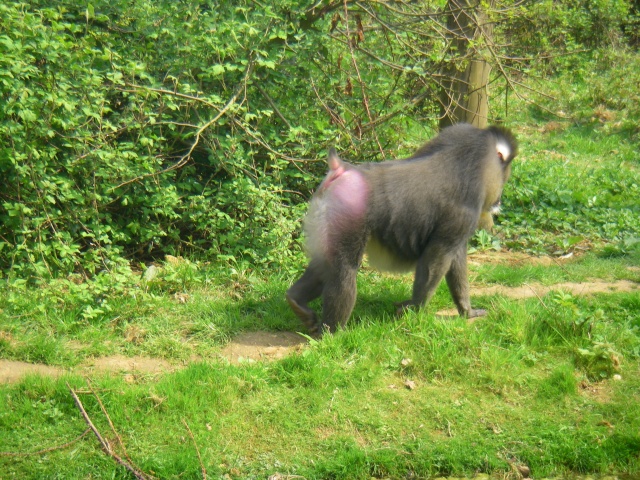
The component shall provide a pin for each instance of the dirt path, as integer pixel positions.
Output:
(536, 290)
(13, 371)
(246, 347)
(252, 346)
(257, 346)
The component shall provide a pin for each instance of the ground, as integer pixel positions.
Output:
(264, 345)
(246, 347)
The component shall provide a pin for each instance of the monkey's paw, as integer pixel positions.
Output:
(308, 317)
(402, 307)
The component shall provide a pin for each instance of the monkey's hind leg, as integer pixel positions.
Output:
(306, 289)
(339, 297)
(458, 283)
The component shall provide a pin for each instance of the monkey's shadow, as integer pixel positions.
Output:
(376, 303)
(382, 306)
(372, 306)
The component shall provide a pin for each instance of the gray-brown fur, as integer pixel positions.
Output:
(417, 213)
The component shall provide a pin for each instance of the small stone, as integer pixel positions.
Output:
(524, 471)
(410, 384)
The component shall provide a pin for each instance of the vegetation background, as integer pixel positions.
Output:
(135, 133)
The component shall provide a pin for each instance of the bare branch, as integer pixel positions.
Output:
(168, 92)
(272, 103)
(187, 156)
(401, 109)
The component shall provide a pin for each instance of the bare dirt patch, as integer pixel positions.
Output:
(12, 371)
(514, 258)
(249, 346)
(253, 346)
(130, 367)
(537, 290)
(599, 392)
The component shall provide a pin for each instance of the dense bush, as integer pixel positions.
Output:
(549, 27)
(100, 163)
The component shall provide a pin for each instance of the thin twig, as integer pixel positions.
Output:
(113, 429)
(204, 471)
(104, 443)
(273, 104)
(164, 91)
(365, 97)
(397, 111)
(335, 117)
(46, 450)
(533, 290)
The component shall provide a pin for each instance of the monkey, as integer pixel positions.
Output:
(414, 214)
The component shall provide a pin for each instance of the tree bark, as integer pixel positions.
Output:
(463, 95)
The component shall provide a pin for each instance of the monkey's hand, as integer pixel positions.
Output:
(485, 222)
(476, 312)
(402, 307)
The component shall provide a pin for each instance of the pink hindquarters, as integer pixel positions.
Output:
(338, 208)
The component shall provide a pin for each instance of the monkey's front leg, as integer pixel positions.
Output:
(431, 267)
(458, 283)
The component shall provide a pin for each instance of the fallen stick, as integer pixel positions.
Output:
(104, 443)
(113, 429)
(204, 471)
(45, 450)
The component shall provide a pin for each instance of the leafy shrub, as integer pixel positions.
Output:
(547, 27)
(99, 167)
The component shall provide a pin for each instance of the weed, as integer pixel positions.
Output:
(561, 382)
(598, 360)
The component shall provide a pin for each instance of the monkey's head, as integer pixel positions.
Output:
(497, 175)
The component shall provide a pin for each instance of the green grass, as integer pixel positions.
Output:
(551, 383)
(576, 180)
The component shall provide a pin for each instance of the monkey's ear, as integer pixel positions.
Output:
(505, 151)
(334, 161)
(506, 144)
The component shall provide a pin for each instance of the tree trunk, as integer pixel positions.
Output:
(463, 95)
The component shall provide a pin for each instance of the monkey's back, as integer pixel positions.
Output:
(434, 196)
